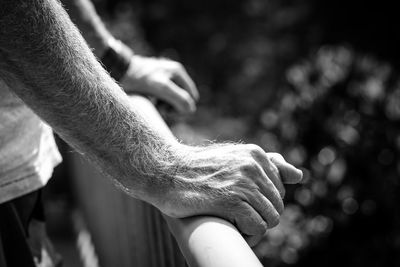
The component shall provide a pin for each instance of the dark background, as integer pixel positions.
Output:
(314, 80)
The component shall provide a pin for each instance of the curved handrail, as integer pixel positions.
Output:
(211, 242)
(204, 241)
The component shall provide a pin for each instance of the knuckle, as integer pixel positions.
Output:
(161, 83)
(274, 155)
(176, 65)
(233, 201)
(261, 228)
(273, 168)
(255, 150)
(250, 167)
(258, 227)
(249, 221)
(236, 199)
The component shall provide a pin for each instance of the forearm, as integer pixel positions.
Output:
(84, 15)
(44, 59)
(115, 56)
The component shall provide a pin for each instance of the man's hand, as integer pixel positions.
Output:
(239, 183)
(46, 62)
(165, 79)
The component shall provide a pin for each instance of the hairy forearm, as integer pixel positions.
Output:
(45, 60)
(84, 15)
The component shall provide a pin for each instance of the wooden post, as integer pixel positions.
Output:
(127, 232)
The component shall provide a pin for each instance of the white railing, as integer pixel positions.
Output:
(211, 242)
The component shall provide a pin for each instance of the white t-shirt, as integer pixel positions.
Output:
(28, 153)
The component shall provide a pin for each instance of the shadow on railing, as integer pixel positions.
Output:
(127, 232)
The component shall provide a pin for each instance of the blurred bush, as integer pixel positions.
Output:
(306, 79)
(340, 122)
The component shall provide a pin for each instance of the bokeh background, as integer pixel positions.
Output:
(314, 80)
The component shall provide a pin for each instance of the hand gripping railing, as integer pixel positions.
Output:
(127, 232)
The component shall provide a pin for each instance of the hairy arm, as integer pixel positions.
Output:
(165, 79)
(84, 15)
(45, 60)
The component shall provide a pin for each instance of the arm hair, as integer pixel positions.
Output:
(84, 15)
(45, 60)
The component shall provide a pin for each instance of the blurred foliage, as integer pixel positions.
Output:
(341, 123)
(314, 80)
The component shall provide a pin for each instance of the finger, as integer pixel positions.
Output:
(271, 193)
(177, 97)
(183, 79)
(253, 240)
(271, 171)
(249, 222)
(289, 174)
(265, 208)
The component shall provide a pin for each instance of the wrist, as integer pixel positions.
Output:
(116, 58)
(163, 180)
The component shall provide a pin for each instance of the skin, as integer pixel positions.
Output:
(163, 78)
(46, 62)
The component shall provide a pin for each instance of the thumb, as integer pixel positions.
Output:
(289, 174)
